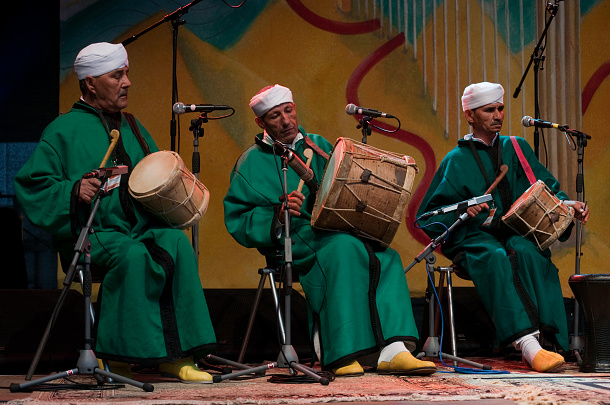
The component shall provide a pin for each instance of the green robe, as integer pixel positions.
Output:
(522, 297)
(333, 267)
(152, 307)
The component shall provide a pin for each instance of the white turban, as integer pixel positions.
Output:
(272, 97)
(480, 94)
(100, 58)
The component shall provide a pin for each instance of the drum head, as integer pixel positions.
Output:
(333, 165)
(154, 172)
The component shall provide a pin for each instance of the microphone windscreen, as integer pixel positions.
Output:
(526, 121)
(351, 109)
(178, 108)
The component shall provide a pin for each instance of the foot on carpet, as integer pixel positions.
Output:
(352, 369)
(546, 362)
(186, 371)
(405, 364)
(117, 367)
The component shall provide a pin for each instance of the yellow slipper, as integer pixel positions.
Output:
(352, 369)
(117, 367)
(186, 371)
(404, 363)
(546, 362)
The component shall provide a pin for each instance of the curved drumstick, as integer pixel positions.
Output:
(114, 134)
(503, 171)
(308, 154)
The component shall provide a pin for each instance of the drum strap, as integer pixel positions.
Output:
(134, 127)
(316, 148)
(524, 163)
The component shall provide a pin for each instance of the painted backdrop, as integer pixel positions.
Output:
(408, 58)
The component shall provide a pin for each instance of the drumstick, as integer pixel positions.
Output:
(503, 170)
(114, 134)
(308, 154)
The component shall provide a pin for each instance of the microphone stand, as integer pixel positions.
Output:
(537, 59)
(195, 128)
(176, 22)
(432, 347)
(576, 344)
(87, 363)
(364, 123)
(287, 357)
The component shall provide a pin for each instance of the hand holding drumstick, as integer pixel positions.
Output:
(89, 187)
(476, 209)
(296, 198)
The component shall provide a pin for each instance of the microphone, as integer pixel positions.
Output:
(352, 109)
(106, 172)
(180, 108)
(301, 168)
(528, 121)
(461, 206)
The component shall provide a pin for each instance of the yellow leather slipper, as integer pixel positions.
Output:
(117, 367)
(352, 369)
(186, 371)
(546, 362)
(404, 363)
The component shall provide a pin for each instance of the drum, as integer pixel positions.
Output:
(539, 215)
(591, 292)
(167, 189)
(364, 191)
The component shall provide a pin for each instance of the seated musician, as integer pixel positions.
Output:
(153, 310)
(356, 292)
(517, 282)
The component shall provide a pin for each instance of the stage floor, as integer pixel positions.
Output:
(519, 385)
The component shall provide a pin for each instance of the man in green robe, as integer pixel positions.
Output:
(517, 282)
(356, 292)
(152, 307)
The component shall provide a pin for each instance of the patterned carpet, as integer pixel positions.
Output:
(520, 385)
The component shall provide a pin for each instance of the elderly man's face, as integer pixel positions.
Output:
(486, 120)
(110, 90)
(280, 122)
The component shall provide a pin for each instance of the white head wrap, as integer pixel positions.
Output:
(272, 97)
(100, 58)
(480, 94)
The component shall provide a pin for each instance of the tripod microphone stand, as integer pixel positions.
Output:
(432, 347)
(87, 363)
(287, 357)
(576, 343)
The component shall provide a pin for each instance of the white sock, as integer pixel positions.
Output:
(529, 346)
(391, 350)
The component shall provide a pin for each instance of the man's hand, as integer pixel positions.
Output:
(474, 210)
(295, 202)
(88, 190)
(581, 211)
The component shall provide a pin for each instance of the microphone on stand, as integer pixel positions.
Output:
(181, 108)
(297, 164)
(461, 206)
(352, 109)
(528, 121)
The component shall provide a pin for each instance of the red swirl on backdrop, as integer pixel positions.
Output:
(405, 136)
(336, 27)
(352, 97)
(593, 84)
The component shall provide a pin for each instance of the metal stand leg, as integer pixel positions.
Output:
(432, 347)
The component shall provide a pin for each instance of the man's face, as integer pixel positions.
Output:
(486, 120)
(110, 90)
(280, 122)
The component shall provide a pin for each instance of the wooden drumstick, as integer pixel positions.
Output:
(308, 154)
(503, 171)
(114, 134)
